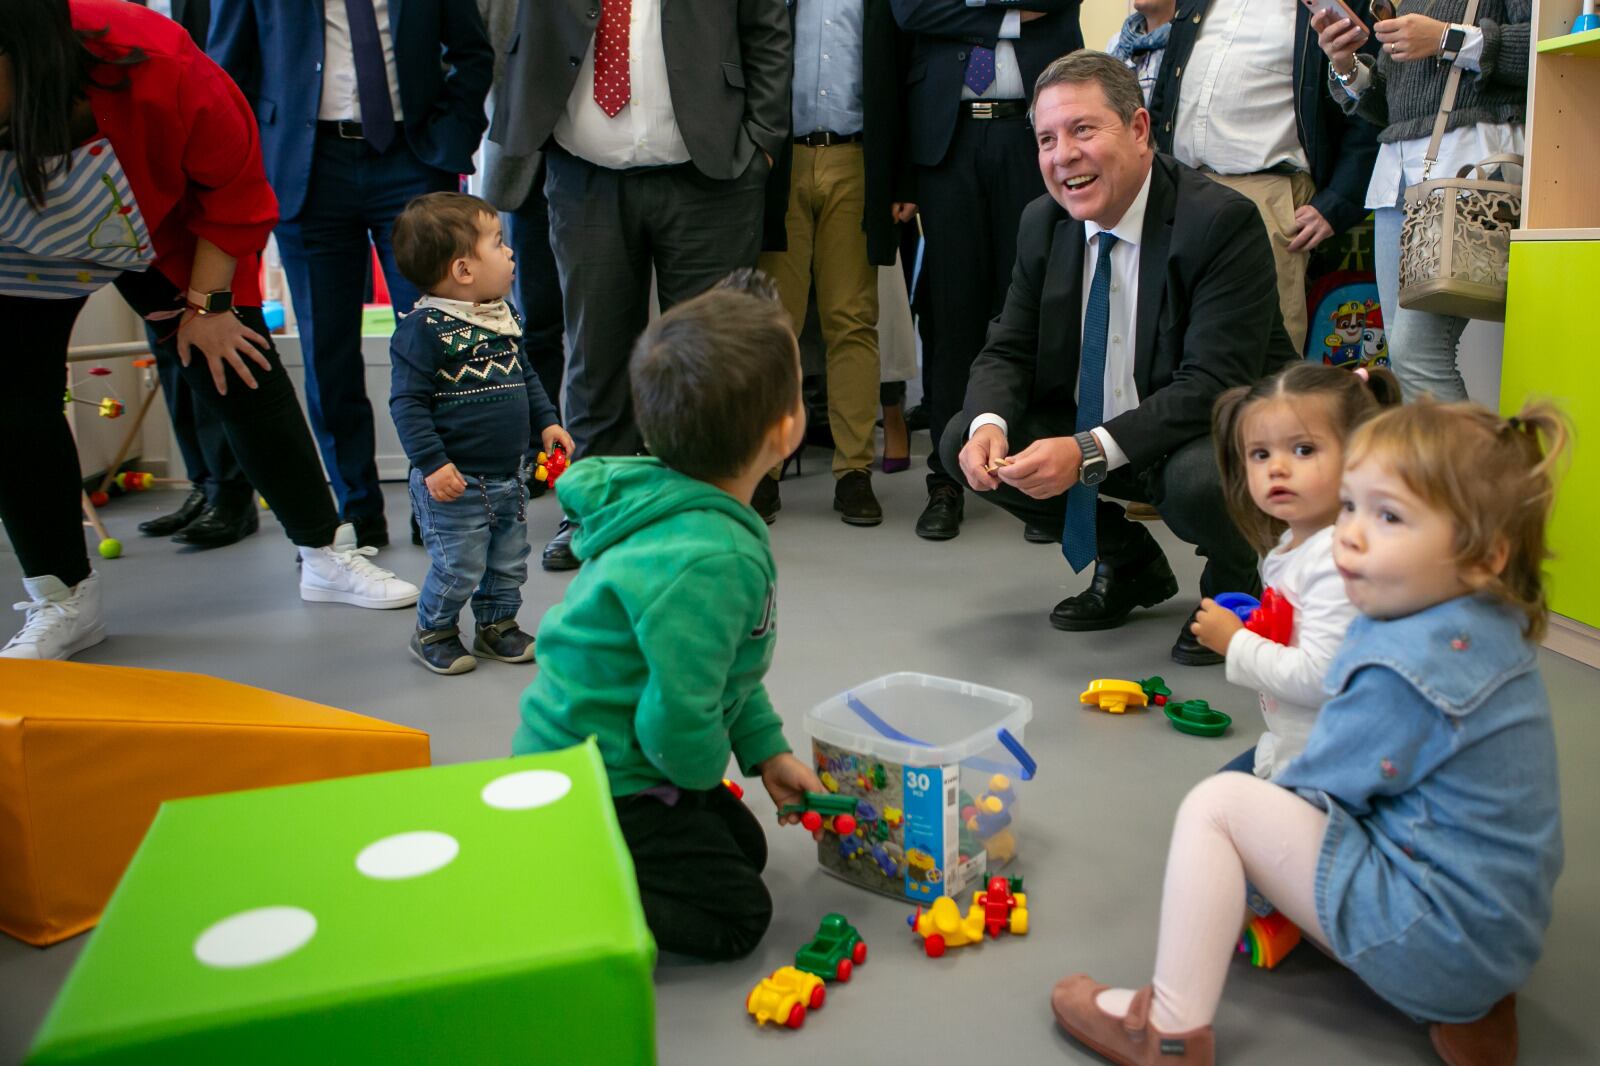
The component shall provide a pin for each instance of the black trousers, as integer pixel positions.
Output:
(1186, 487)
(611, 229)
(200, 435)
(536, 288)
(699, 866)
(971, 204)
(41, 483)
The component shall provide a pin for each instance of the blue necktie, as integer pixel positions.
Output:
(1077, 536)
(372, 80)
(980, 69)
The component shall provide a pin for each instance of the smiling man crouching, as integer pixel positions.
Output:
(1141, 291)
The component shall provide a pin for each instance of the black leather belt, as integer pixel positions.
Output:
(343, 129)
(993, 108)
(827, 138)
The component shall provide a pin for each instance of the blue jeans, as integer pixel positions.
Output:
(1422, 346)
(1244, 762)
(478, 548)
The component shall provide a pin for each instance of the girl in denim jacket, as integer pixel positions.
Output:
(1418, 837)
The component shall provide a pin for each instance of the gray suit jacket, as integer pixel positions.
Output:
(507, 179)
(730, 64)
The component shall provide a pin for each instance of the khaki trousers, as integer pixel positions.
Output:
(1277, 196)
(827, 246)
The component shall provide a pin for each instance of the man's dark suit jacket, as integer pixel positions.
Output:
(192, 15)
(884, 54)
(730, 64)
(1207, 315)
(1341, 149)
(273, 49)
(945, 32)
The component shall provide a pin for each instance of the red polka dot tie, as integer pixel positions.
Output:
(611, 85)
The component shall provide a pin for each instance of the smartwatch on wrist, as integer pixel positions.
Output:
(1450, 42)
(1092, 468)
(211, 303)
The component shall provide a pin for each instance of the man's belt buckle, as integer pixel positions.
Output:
(351, 131)
(983, 109)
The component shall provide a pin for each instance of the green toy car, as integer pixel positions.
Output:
(834, 951)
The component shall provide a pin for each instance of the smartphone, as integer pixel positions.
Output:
(1338, 7)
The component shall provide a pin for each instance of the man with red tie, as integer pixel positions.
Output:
(660, 122)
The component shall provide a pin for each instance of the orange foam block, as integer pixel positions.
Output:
(88, 753)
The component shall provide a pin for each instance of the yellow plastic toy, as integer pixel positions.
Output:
(942, 926)
(784, 996)
(1110, 694)
(829, 782)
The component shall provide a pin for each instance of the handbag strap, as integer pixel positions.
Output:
(1448, 104)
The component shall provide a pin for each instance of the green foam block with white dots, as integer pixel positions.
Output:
(477, 913)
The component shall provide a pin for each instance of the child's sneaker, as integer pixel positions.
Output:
(341, 573)
(441, 651)
(60, 621)
(503, 640)
(1489, 1041)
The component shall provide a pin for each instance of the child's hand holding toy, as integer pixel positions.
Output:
(788, 780)
(1215, 626)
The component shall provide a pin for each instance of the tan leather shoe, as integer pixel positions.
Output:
(1131, 1040)
(1489, 1041)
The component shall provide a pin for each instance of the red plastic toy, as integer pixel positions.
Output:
(997, 902)
(552, 465)
(1274, 619)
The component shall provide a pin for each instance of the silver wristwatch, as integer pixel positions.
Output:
(1092, 468)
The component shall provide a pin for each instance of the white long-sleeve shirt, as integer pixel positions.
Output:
(1289, 677)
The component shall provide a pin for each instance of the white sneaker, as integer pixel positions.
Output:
(340, 573)
(61, 622)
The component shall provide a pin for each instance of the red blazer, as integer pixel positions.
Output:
(186, 139)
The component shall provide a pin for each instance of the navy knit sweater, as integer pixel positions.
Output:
(463, 394)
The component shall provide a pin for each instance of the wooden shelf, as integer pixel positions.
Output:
(1573, 44)
(1577, 234)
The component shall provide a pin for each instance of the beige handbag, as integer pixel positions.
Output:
(1455, 244)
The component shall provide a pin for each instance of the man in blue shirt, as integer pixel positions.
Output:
(834, 202)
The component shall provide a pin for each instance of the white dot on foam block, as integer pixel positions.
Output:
(253, 937)
(407, 855)
(527, 789)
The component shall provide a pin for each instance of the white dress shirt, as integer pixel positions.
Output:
(1119, 394)
(340, 98)
(1289, 677)
(1236, 98)
(163, 7)
(1007, 83)
(645, 132)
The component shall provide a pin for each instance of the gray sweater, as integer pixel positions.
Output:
(1404, 98)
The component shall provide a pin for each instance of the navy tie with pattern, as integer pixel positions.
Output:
(1078, 535)
(372, 79)
(980, 69)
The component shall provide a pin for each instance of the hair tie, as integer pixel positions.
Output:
(1361, 372)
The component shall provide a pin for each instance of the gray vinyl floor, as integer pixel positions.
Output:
(855, 604)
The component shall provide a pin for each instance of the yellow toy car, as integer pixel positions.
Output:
(1110, 694)
(941, 926)
(784, 996)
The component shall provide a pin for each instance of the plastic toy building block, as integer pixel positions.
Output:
(475, 913)
(1156, 690)
(88, 753)
(551, 465)
(1271, 617)
(834, 951)
(1269, 940)
(822, 809)
(1112, 695)
(1196, 718)
(785, 996)
(1240, 603)
(942, 926)
(1004, 906)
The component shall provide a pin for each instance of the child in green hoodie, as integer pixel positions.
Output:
(660, 645)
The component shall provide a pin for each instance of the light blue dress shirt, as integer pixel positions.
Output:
(827, 65)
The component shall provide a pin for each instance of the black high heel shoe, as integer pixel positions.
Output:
(793, 457)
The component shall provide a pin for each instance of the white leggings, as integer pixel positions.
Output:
(1229, 828)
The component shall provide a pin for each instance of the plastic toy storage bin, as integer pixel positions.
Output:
(936, 766)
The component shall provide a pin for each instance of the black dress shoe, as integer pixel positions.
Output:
(220, 526)
(766, 501)
(917, 417)
(854, 500)
(1114, 593)
(941, 518)
(558, 553)
(372, 531)
(1038, 535)
(187, 512)
(1189, 651)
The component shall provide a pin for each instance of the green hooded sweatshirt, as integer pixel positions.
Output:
(660, 645)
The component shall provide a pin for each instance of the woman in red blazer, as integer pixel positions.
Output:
(129, 158)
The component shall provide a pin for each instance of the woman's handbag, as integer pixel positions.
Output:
(1455, 244)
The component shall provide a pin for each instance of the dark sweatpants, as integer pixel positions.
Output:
(699, 865)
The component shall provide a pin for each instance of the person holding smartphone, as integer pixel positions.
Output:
(1400, 91)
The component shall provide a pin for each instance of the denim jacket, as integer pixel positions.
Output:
(1435, 760)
